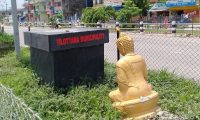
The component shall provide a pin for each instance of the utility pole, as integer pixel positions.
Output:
(6, 7)
(15, 28)
(28, 11)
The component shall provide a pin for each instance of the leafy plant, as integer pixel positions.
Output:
(143, 5)
(52, 20)
(6, 41)
(93, 15)
(60, 16)
(128, 11)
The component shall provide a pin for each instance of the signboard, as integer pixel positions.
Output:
(162, 0)
(192, 13)
(113, 2)
(176, 3)
(159, 7)
(57, 41)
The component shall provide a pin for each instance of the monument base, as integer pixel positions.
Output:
(139, 109)
(69, 67)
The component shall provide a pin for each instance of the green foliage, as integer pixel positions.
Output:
(6, 38)
(128, 11)
(93, 15)
(110, 11)
(87, 15)
(6, 43)
(177, 95)
(60, 16)
(143, 5)
(52, 20)
(77, 102)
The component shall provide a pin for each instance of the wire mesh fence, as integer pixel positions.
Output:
(178, 53)
(12, 108)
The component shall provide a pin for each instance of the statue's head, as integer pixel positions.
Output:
(125, 44)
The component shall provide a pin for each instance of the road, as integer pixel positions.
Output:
(9, 30)
(180, 55)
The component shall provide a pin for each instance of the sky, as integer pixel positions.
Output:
(3, 4)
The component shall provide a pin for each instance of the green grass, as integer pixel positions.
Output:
(73, 103)
(178, 32)
(6, 38)
(177, 95)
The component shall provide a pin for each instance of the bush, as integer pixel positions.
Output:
(6, 43)
(93, 15)
(6, 39)
(129, 10)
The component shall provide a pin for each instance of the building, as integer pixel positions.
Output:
(71, 10)
(116, 4)
(6, 16)
(182, 11)
(65, 10)
(96, 2)
(54, 8)
(39, 11)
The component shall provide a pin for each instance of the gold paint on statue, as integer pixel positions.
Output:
(134, 96)
(117, 29)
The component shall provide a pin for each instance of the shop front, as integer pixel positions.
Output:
(183, 11)
(158, 13)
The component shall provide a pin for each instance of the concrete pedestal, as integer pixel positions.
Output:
(64, 58)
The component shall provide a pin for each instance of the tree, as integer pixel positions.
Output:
(128, 11)
(87, 15)
(93, 15)
(111, 11)
(52, 21)
(143, 5)
(59, 16)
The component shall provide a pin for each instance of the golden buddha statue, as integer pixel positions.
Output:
(134, 96)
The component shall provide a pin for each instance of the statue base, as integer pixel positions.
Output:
(139, 109)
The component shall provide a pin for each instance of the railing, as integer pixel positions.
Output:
(164, 46)
(158, 28)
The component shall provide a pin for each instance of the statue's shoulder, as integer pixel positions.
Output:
(121, 62)
(126, 60)
(139, 57)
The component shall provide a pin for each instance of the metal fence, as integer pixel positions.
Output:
(12, 108)
(178, 53)
(160, 28)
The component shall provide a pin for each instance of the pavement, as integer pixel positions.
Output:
(180, 55)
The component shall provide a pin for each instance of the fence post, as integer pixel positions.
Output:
(117, 28)
(2, 28)
(174, 27)
(82, 24)
(192, 28)
(141, 27)
(99, 25)
(70, 24)
(29, 28)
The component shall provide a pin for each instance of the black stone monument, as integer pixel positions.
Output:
(63, 58)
